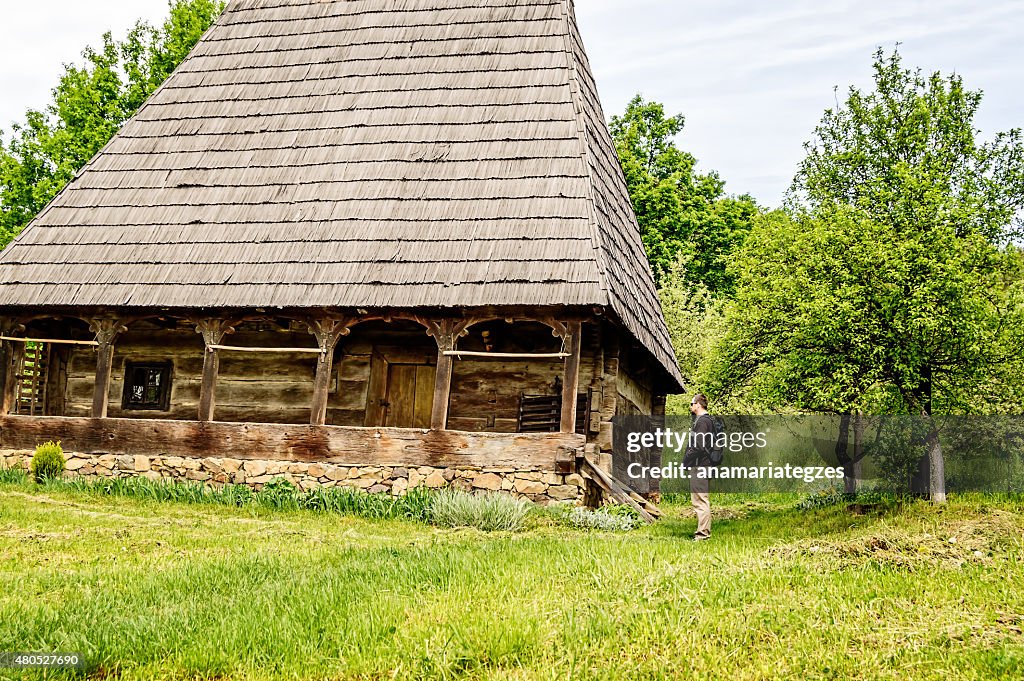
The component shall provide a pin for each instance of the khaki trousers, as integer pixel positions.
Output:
(700, 497)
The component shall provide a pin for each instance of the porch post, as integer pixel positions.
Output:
(446, 332)
(327, 332)
(213, 331)
(571, 376)
(12, 353)
(107, 329)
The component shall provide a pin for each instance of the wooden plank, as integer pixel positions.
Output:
(423, 405)
(331, 444)
(207, 391)
(375, 394)
(14, 354)
(507, 355)
(442, 392)
(571, 377)
(401, 395)
(239, 348)
(616, 491)
(17, 339)
(57, 381)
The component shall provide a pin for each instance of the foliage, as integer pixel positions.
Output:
(47, 462)
(887, 288)
(90, 103)
(487, 512)
(277, 494)
(680, 212)
(695, 320)
(619, 518)
(907, 155)
(12, 476)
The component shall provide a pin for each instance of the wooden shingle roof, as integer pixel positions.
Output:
(356, 153)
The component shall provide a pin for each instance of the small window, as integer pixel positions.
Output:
(147, 386)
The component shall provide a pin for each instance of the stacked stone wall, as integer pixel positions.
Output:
(537, 486)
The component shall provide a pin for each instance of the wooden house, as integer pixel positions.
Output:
(353, 242)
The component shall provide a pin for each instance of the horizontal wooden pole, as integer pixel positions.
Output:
(506, 355)
(283, 442)
(48, 340)
(238, 348)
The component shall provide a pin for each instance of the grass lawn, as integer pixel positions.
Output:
(174, 591)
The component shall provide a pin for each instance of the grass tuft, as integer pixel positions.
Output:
(13, 476)
(487, 512)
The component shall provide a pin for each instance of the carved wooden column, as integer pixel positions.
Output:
(11, 364)
(446, 332)
(571, 376)
(571, 334)
(327, 332)
(213, 331)
(107, 329)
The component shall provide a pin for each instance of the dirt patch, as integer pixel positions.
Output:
(952, 544)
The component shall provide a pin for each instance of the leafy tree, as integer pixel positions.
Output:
(908, 154)
(90, 104)
(681, 212)
(695, 323)
(889, 286)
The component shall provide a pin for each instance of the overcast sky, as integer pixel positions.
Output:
(752, 78)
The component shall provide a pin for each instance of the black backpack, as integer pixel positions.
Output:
(717, 452)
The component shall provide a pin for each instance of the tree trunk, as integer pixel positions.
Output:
(843, 453)
(936, 463)
(853, 475)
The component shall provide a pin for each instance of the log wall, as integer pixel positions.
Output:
(277, 387)
(279, 442)
(261, 388)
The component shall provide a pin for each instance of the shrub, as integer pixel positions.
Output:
(487, 512)
(619, 518)
(47, 462)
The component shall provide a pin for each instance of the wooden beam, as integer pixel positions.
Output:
(571, 376)
(18, 339)
(328, 332)
(446, 332)
(107, 329)
(241, 348)
(507, 355)
(213, 331)
(280, 442)
(616, 491)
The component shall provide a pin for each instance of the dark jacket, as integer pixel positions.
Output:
(698, 450)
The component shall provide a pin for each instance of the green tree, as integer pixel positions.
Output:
(890, 287)
(90, 103)
(695, 323)
(681, 212)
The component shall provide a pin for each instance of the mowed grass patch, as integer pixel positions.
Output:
(171, 591)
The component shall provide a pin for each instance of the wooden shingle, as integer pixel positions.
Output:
(357, 153)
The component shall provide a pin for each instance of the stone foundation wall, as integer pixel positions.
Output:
(543, 488)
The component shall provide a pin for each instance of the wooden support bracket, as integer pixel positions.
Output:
(107, 329)
(327, 331)
(213, 331)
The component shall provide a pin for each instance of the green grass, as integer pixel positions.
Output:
(154, 589)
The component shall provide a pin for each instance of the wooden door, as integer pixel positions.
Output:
(409, 396)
